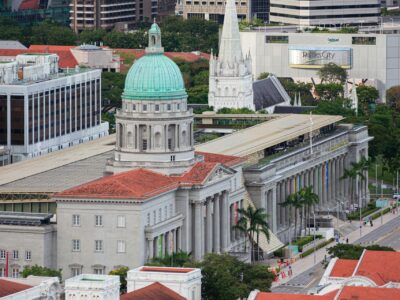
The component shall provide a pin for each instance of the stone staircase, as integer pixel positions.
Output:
(274, 243)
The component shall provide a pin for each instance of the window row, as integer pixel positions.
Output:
(15, 255)
(160, 215)
(14, 272)
(98, 221)
(98, 246)
(154, 107)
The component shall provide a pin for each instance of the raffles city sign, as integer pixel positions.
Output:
(315, 58)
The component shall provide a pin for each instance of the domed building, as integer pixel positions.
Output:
(154, 126)
(159, 196)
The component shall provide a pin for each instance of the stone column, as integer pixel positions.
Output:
(198, 238)
(209, 237)
(283, 199)
(151, 248)
(278, 206)
(225, 230)
(216, 223)
(274, 211)
(334, 166)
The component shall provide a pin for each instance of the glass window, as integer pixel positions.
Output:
(363, 40)
(28, 255)
(99, 220)
(159, 214)
(76, 245)
(98, 245)
(157, 107)
(2, 254)
(98, 271)
(121, 221)
(15, 254)
(277, 39)
(133, 106)
(168, 107)
(75, 271)
(121, 247)
(15, 272)
(154, 217)
(2, 272)
(170, 210)
(144, 107)
(76, 220)
(165, 212)
(148, 219)
(178, 106)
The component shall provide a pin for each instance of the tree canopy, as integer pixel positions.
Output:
(40, 271)
(350, 251)
(332, 73)
(122, 273)
(393, 97)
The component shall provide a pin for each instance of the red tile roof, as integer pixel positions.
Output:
(276, 296)
(137, 184)
(29, 4)
(142, 183)
(155, 291)
(227, 160)
(8, 287)
(344, 268)
(67, 59)
(186, 56)
(368, 293)
(166, 269)
(380, 266)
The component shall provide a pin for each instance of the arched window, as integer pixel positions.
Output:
(157, 139)
(130, 139)
(121, 135)
(153, 40)
(184, 143)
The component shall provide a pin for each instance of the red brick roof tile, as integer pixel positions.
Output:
(142, 183)
(380, 266)
(186, 56)
(277, 296)
(29, 4)
(155, 291)
(227, 160)
(8, 287)
(137, 184)
(344, 268)
(368, 293)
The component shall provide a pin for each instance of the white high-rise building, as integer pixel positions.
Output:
(325, 12)
(231, 79)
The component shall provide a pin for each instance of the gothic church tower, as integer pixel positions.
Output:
(231, 79)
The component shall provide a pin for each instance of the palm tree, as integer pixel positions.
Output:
(252, 222)
(294, 201)
(309, 200)
(242, 227)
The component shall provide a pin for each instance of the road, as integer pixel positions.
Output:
(386, 235)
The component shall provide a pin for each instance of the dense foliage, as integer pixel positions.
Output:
(122, 273)
(226, 278)
(40, 271)
(178, 35)
(350, 251)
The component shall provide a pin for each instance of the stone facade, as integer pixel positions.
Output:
(271, 182)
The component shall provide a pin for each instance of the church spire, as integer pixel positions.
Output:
(230, 47)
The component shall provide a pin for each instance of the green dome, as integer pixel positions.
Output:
(154, 76)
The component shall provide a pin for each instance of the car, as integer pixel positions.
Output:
(396, 196)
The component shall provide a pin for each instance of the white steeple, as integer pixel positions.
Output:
(230, 49)
(231, 79)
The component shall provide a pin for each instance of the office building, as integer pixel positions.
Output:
(328, 13)
(44, 109)
(371, 58)
(215, 10)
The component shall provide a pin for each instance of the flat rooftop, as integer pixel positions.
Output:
(259, 137)
(60, 170)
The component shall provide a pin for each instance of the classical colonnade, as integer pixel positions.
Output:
(212, 224)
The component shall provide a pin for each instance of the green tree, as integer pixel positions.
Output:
(92, 36)
(393, 97)
(244, 110)
(349, 251)
(112, 88)
(263, 75)
(329, 91)
(51, 33)
(40, 271)
(176, 259)
(201, 78)
(338, 106)
(293, 201)
(366, 95)
(309, 201)
(253, 222)
(227, 278)
(123, 274)
(332, 73)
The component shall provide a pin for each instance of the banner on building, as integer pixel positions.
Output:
(315, 58)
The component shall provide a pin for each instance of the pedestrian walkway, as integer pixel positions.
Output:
(306, 263)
